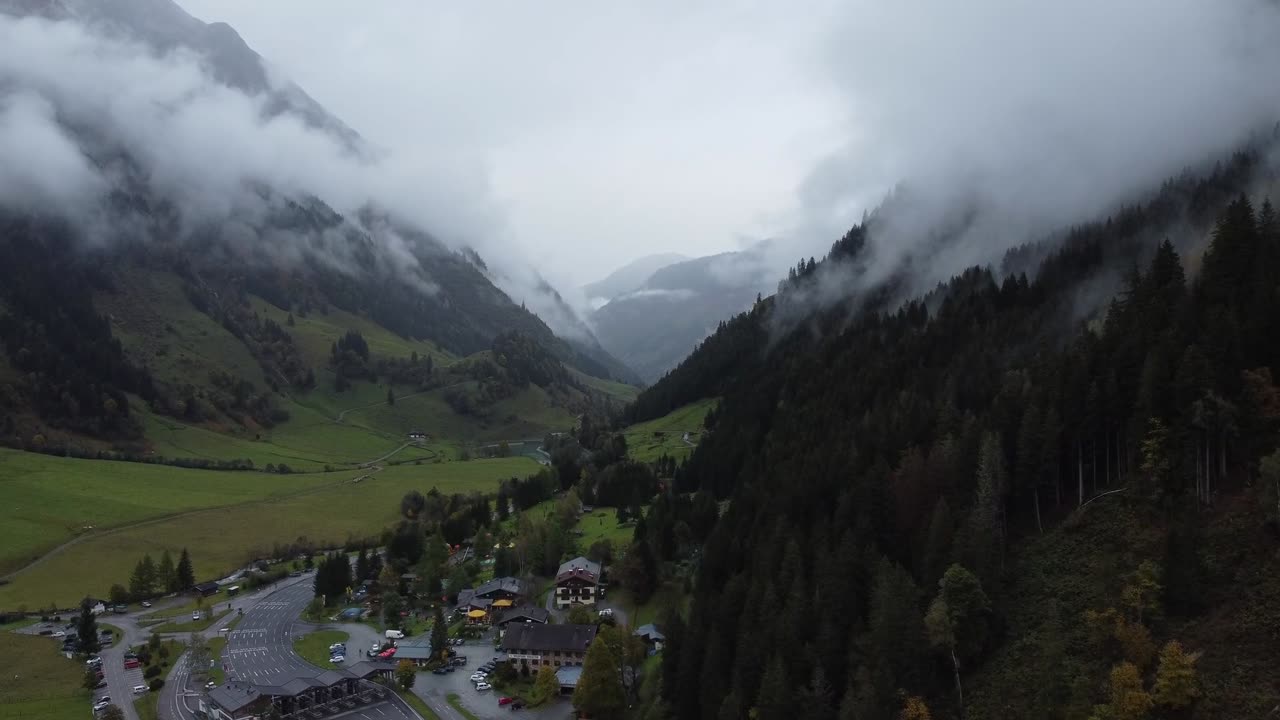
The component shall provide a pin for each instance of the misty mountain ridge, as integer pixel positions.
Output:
(628, 278)
(654, 325)
(143, 185)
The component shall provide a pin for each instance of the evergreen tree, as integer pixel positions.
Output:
(599, 692)
(391, 397)
(167, 574)
(1127, 699)
(439, 633)
(87, 630)
(143, 580)
(731, 708)
(816, 697)
(775, 699)
(185, 573)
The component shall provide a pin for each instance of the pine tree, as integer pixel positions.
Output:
(731, 708)
(774, 702)
(87, 630)
(439, 633)
(957, 619)
(166, 574)
(186, 574)
(599, 692)
(1176, 683)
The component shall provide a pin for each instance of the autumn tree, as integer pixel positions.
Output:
(545, 686)
(915, 709)
(406, 673)
(1127, 699)
(1176, 683)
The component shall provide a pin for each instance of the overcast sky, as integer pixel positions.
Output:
(607, 131)
(600, 132)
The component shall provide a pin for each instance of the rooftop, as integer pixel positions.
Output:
(233, 696)
(579, 567)
(650, 632)
(539, 637)
(525, 614)
(502, 584)
(569, 675)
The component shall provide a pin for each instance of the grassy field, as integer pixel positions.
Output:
(37, 683)
(602, 524)
(223, 539)
(621, 392)
(146, 705)
(49, 500)
(216, 646)
(647, 441)
(314, 647)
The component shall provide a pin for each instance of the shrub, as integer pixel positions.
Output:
(152, 671)
(156, 684)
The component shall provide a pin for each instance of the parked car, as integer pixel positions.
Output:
(195, 615)
(101, 684)
(439, 671)
(139, 689)
(479, 677)
(59, 633)
(517, 705)
(146, 604)
(336, 659)
(131, 664)
(394, 634)
(93, 661)
(389, 652)
(505, 700)
(482, 686)
(210, 685)
(375, 648)
(101, 703)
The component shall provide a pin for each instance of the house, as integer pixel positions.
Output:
(577, 583)
(503, 588)
(415, 649)
(206, 589)
(533, 645)
(652, 636)
(527, 614)
(96, 606)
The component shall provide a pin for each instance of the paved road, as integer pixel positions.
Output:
(260, 648)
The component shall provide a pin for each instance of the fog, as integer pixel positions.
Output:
(1000, 121)
(582, 137)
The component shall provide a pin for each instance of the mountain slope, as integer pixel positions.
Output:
(156, 288)
(868, 444)
(655, 325)
(628, 278)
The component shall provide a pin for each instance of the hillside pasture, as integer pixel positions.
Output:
(222, 539)
(648, 441)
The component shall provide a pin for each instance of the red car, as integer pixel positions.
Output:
(389, 652)
(505, 700)
(131, 664)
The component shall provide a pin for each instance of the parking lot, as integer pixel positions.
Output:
(483, 704)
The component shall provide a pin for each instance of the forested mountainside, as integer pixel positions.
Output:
(1014, 497)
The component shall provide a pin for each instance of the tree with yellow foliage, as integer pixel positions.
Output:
(1176, 683)
(915, 709)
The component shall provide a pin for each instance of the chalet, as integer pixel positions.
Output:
(511, 589)
(577, 583)
(532, 645)
(96, 606)
(526, 614)
(416, 650)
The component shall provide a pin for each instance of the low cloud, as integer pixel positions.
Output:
(988, 124)
(82, 113)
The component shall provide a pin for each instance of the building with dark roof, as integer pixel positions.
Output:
(503, 588)
(526, 614)
(534, 644)
(331, 691)
(206, 589)
(577, 583)
(415, 649)
(568, 677)
(652, 636)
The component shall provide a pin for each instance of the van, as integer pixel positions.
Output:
(394, 634)
(139, 689)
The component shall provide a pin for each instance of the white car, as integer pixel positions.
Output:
(195, 615)
(482, 686)
(139, 689)
(338, 659)
(58, 633)
(146, 604)
(210, 685)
